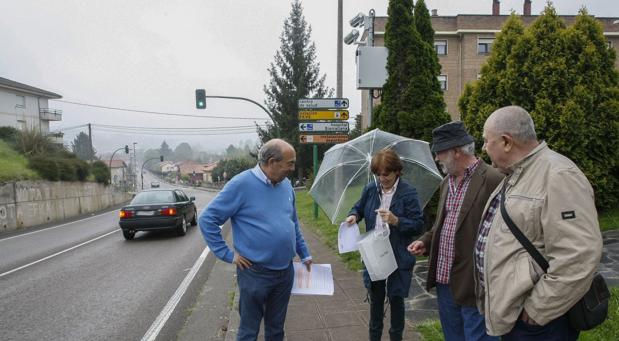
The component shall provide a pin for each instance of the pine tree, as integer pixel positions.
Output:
(412, 102)
(294, 74)
(566, 78)
(81, 147)
(423, 23)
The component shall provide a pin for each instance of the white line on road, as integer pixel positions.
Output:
(54, 227)
(56, 254)
(155, 328)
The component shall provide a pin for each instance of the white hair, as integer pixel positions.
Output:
(515, 121)
(468, 149)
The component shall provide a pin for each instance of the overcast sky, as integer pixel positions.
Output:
(152, 55)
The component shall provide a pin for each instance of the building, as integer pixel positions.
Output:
(25, 107)
(463, 43)
(120, 173)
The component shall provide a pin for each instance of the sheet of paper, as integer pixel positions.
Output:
(319, 281)
(347, 237)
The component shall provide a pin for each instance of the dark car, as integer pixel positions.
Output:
(158, 209)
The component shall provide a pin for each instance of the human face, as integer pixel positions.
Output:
(387, 179)
(279, 170)
(494, 147)
(445, 159)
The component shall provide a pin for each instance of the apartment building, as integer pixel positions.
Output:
(464, 42)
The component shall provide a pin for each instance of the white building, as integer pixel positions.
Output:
(26, 107)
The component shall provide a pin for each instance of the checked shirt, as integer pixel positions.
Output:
(453, 203)
(482, 237)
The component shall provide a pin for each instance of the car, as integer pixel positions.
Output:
(158, 209)
(154, 184)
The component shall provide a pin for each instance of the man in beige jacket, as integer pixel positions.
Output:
(552, 203)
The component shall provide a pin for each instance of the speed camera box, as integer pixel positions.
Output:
(371, 67)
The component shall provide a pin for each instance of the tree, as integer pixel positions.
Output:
(357, 130)
(183, 152)
(565, 77)
(166, 151)
(81, 147)
(294, 74)
(412, 102)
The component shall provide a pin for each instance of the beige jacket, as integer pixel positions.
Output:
(552, 203)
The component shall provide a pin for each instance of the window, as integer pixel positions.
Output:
(484, 45)
(478, 76)
(610, 44)
(440, 46)
(442, 79)
(21, 102)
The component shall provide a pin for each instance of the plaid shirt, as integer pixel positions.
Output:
(453, 203)
(482, 237)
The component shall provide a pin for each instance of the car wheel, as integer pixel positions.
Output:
(182, 228)
(194, 221)
(128, 234)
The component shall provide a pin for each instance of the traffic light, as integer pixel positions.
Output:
(126, 149)
(200, 99)
(161, 158)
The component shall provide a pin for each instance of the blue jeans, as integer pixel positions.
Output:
(459, 322)
(263, 293)
(556, 330)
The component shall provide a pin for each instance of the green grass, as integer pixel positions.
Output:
(13, 166)
(323, 227)
(609, 330)
(609, 220)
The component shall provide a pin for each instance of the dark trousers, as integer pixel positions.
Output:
(377, 305)
(556, 330)
(263, 293)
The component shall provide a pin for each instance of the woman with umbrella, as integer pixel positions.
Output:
(389, 203)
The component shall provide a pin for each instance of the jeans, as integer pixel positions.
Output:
(263, 293)
(556, 330)
(377, 304)
(459, 322)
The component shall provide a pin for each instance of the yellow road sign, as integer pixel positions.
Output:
(323, 115)
(303, 138)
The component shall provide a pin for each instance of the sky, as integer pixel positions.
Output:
(151, 55)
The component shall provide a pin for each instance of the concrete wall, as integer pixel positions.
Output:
(29, 203)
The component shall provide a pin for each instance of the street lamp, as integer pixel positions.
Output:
(143, 163)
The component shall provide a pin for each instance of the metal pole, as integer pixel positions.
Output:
(338, 88)
(370, 43)
(142, 170)
(315, 152)
(256, 103)
(111, 162)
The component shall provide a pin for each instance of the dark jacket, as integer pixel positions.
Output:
(484, 180)
(405, 206)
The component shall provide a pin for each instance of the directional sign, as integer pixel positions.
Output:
(304, 138)
(323, 103)
(319, 127)
(323, 115)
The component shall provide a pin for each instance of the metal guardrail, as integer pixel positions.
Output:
(50, 114)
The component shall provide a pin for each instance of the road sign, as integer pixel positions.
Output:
(319, 127)
(304, 138)
(323, 103)
(323, 115)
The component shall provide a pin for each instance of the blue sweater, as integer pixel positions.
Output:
(265, 228)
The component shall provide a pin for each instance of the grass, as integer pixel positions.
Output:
(609, 220)
(609, 330)
(323, 227)
(13, 166)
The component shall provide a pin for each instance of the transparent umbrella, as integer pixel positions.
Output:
(345, 171)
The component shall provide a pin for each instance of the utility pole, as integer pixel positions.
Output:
(92, 154)
(338, 89)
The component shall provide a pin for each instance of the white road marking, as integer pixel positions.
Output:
(56, 254)
(155, 328)
(54, 227)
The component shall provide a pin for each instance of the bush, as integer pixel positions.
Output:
(66, 169)
(9, 135)
(101, 172)
(46, 167)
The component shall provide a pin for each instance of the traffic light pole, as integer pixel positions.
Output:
(121, 148)
(142, 170)
(315, 152)
(254, 102)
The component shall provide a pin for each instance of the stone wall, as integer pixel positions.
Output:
(30, 203)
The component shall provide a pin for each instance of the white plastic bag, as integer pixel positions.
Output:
(377, 254)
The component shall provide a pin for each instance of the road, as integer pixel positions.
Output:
(82, 281)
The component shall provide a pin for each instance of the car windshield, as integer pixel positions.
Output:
(154, 197)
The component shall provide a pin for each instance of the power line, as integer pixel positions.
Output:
(177, 128)
(160, 113)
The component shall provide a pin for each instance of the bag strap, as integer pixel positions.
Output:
(526, 243)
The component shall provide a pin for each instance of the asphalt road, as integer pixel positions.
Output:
(82, 281)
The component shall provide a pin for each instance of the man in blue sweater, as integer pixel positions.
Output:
(260, 204)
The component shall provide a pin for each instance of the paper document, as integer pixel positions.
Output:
(319, 281)
(347, 237)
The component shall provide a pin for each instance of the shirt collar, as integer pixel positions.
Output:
(259, 173)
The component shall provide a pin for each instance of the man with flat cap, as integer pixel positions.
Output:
(451, 241)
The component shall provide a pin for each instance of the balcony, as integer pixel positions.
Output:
(47, 114)
(56, 137)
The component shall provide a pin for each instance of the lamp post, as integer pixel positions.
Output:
(142, 170)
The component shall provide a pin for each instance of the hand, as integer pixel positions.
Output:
(352, 219)
(241, 262)
(308, 265)
(527, 319)
(417, 248)
(387, 216)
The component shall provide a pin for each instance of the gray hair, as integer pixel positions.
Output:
(271, 150)
(468, 149)
(515, 121)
